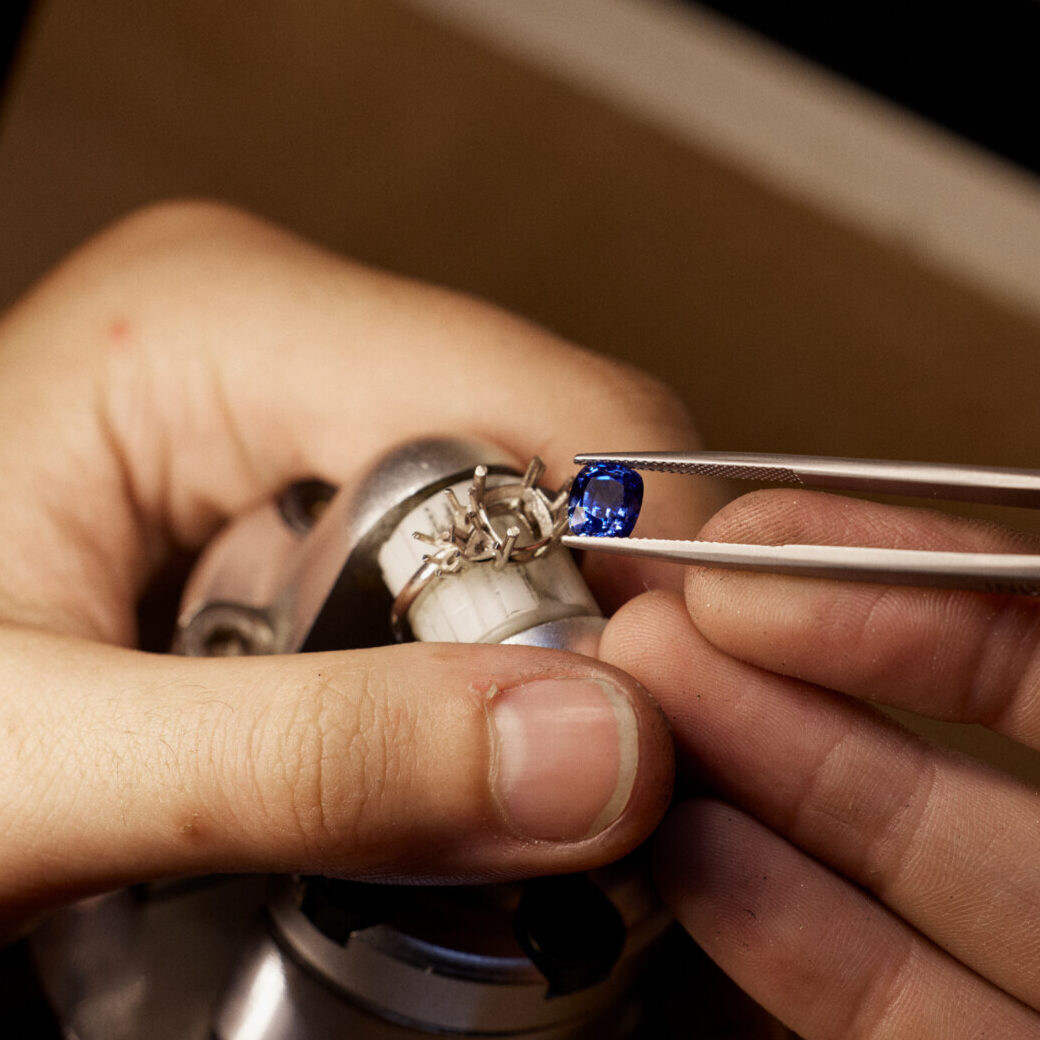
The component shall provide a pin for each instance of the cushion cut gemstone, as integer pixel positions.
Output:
(605, 500)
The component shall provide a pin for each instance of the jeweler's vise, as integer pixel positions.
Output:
(318, 570)
(442, 540)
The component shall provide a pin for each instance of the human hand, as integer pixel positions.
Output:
(181, 368)
(852, 878)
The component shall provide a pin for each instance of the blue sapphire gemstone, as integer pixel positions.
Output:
(605, 500)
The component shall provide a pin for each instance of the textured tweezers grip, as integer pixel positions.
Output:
(738, 466)
(713, 469)
(990, 485)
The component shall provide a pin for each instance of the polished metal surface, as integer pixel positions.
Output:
(281, 578)
(579, 635)
(1017, 573)
(147, 963)
(321, 1013)
(450, 961)
(341, 549)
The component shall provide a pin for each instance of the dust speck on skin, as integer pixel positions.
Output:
(191, 827)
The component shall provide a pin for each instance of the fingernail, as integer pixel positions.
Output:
(565, 756)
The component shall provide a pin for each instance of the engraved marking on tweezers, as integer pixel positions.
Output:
(1011, 588)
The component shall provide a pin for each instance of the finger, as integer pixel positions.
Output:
(424, 761)
(814, 950)
(960, 656)
(193, 360)
(946, 843)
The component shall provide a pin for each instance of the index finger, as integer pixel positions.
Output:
(193, 360)
(957, 656)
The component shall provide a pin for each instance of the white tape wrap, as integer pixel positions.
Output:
(479, 604)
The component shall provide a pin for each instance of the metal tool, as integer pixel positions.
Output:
(1015, 573)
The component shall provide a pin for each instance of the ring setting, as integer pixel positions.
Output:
(530, 524)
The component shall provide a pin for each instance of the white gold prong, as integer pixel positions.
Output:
(563, 496)
(535, 468)
(560, 527)
(507, 547)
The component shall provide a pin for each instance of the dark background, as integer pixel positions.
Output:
(972, 68)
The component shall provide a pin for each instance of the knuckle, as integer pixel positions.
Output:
(646, 395)
(873, 816)
(613, 387)
(866, 633)
(1001, 686)
(335, 761)
(191, 238)
(669, 407)
(904, 804)
(300, 765)
(883, 1005)
(169, 223)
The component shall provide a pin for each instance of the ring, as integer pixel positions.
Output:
(472, 538)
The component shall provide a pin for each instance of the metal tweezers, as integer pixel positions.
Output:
(1015, 573)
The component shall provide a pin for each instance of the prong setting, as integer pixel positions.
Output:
(538, 521)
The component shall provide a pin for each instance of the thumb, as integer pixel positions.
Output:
(425, 760)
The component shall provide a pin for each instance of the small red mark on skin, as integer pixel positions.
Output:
(119, 330)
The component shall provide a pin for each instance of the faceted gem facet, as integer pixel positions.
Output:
(605, 500)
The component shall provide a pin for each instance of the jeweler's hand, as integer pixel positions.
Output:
(178, 370)
(855, 880)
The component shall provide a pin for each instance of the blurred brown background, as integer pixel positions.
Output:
(391, 134)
